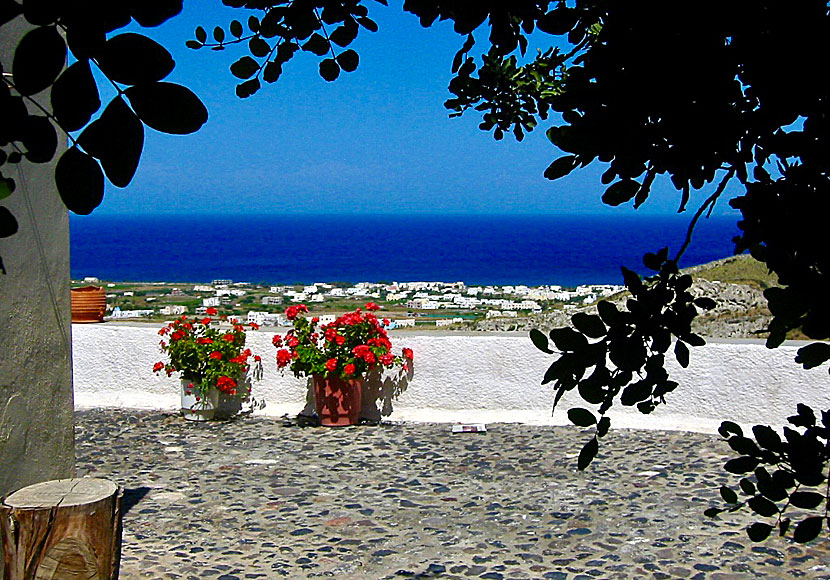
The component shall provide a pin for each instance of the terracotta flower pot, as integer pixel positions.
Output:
(89, 304)
(337, 400)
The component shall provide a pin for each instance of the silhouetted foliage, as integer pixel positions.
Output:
(111, 144)
(701, 93)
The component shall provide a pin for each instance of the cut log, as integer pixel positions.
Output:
(65, 529)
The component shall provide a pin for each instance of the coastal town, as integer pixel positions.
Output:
(449, 305)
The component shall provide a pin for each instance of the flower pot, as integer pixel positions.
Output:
(203, 409)
(89, 304)
(337, 400)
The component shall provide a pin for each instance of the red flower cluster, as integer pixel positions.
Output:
(226, 385)
(356, 343)
(293, 311)
(206, 356)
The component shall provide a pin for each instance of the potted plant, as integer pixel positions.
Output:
(212, 362)
(337, 356)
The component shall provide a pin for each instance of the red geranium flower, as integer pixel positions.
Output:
(203, 340)
(158, 366)
(348, 369)
(216, 355)
(283, 357)
(212, 311)
(228, 337)
(331, 364)
(407, 352)
(372, 306)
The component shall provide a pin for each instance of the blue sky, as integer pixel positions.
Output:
(375, 140)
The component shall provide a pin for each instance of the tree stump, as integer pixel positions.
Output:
(62, 529)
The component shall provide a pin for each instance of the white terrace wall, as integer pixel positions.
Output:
(473, 378)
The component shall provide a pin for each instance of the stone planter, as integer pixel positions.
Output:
(89, 304)
(337, 400)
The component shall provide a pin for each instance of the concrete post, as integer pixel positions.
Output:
(36, 400)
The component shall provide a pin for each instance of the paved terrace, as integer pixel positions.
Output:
(259, 497)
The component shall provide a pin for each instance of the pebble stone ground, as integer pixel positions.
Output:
(261, 497)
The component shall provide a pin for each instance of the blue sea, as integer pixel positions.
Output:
(478, 249)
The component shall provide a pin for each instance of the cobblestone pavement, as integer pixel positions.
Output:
(262, 498)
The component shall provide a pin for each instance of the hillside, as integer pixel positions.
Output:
(736, 283)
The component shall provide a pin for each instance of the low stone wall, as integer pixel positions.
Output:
(472, 378)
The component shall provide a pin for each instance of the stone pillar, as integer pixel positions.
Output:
(36, 403)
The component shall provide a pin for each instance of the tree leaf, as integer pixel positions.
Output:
(75, 96)
(620, 192)
(741, 465)
(631, 279)
(317, 44)
(167, 107)
(8, 223)
(38, 60)
(271, 72)
(329, 69)
(813, 354)
(201, 35)
(236, 28)
(681, 353)
(581, 417)
(806, 499)
(540, 340)
(41, 13)
(133, 59)
(367, 23)
(259, 47)
(635, 393)
(80, 181)
(602, 426)
(244, 68)
(9, 10)
(588, 453)
(762, 506)
(767, 437)
(218, 34)
(151, 14)
(728, 495)
(117, 139)
(629, 354)
(561, 167)
(759, 531)
(567, 339)
(7, 187)
(343, 35)
(727, 427)
(808, 529)
(589, 324)
(348, 60)
(40, 139)
(705, 303)
(608, 312)
(248, 88)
